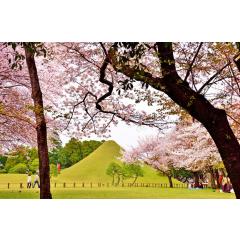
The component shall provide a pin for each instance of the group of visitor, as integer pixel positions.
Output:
(36, 180)
(199, 185)
(225, 184)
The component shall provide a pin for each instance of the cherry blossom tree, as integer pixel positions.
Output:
(17, 126)
(22, 120)
(194, 150)
(199, 77)
(109, 82)
(188, 146)
(154, 151)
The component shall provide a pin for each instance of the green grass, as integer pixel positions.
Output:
(93, 169)
(119, 193)
(13, 178)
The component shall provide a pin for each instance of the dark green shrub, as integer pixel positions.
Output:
(19, 168)
(34, 165)
(53, 170)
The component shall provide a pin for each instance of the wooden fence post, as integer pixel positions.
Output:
(8, 185)
(64, 185)
(74, 184)
(21, 185)
(91, 185)
(83, 184)
(55, 184)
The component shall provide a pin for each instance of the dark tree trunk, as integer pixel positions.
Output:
(213, 178)
(217, 178)
(170, 181)
(196, 179)
(40, 126)
(228, 147)
(213, 119)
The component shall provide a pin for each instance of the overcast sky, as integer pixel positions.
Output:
(125, 135)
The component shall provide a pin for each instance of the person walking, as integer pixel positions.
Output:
(29, 180)
(36, 180)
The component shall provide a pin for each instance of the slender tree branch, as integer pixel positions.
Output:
(233, 119)
(213, 76)
(104, 49)
(191, 64)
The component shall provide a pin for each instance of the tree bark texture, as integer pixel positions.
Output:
(41, 127)
(170, 181)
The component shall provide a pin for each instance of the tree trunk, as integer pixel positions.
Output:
(217, 178)
(213, 119)
(196, 179)
(113, 180)
(135, 179)
(40, 126)
(213, 185)
(170, 181)
(228, 148)
(118, 180)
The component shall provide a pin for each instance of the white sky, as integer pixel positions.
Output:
(128, 135)
(125, 135)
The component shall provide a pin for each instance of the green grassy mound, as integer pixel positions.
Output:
(93, 168)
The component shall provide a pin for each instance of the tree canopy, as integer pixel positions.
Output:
(151, 84)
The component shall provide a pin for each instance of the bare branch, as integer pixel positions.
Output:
(76, 105)
(233, 119)
(104, 49)
(191, 64)
(213, 76)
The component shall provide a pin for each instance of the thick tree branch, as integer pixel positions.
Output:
(213, 119)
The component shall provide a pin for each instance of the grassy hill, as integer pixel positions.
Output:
(93, 168)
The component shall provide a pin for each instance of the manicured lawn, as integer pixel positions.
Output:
(119, 193)
(92, 169)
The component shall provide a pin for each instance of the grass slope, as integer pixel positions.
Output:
(93, 167)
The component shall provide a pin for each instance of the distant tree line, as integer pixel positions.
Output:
(24, 159)
(73, 152)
